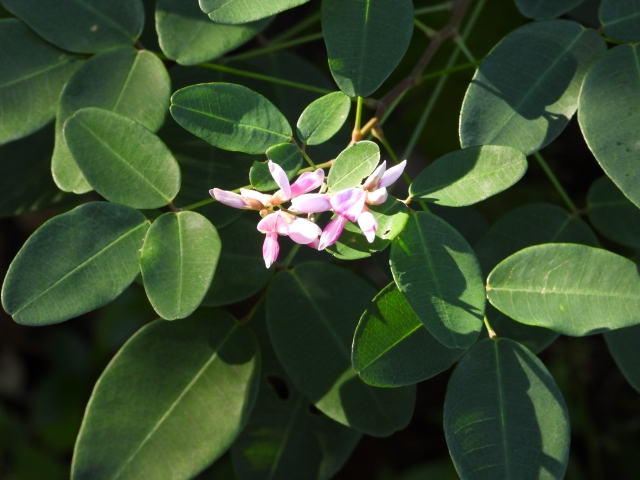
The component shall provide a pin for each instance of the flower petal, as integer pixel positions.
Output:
(306, 182)
(371, 183)
(274, 223)
(369, 225)
(270, 249)
(377, 197)
(263, 198)
(332, 232)
(303, 231)
(228, 198)
(281, 179)
(349, 202)
(392, 174)
(311, 203)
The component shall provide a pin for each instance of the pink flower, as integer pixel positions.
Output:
(281, 223)
(348, 205)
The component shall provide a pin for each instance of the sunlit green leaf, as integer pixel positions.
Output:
(541, 9)
(74, 263)
(203, 372)
(438, 273)
(323, 118)
(352, 165)
(504, 415)
(243, 11)
(624, 345)
(287, 155)
(620, 19)
(526, 90)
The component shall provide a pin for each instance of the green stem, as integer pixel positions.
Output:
(274, 47)
(434, 8)
(463, 46)
(309, 161)
(446, 71)
(247, 318)
(554, 180)
(428, 31)
(303, 25)
(490, 331)
(292, 253)
(356, 128)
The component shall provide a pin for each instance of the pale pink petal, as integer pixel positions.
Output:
(311, 203)
(349, 202)
(368, 224)
(377, 197)
(274, 223)
(306, 182)
(392, 174)
(303, 231)
(332, 232)
(263, 198)
(270, 248)
(281, 179)
(371, 183)
(228, 198)
(314, 244)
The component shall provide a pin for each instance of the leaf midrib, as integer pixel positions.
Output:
(35, 73)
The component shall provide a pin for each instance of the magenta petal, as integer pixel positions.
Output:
(349, 202)
(270, 249)
(377, 197)
(371, 183)
(228, 198)
(303, 231)
(281, 179)
(274, 223)
(369, 225)
(311, 203)
(306, 182)
(332, 232)
(392, 174)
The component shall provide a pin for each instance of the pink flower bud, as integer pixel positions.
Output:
(392, 174)
(303, 231)
(270, 248)
(306, 182)
(274, 223)
(311, 203)
(377, 197)
(369, 225)
(228, 198)
(332, 232)
(371, 183)
(281, 179)
(349, 202)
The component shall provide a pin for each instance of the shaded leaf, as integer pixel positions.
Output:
(287, 155)
(243, 11)
(323, 118)
(620, 19)
(624, 345)
(466, 220)
(352, 165)
(541, 9)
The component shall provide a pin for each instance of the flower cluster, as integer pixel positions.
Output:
(350, 204)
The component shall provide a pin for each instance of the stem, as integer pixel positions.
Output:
(304, 24)
(490, 331)
(447, 71)
(463, 47)
(309, 161)
(274, 47)
(434, 8)
(292, 253)
(356, 135)
(556, 183)
(193, 206)
(428, 31)
(247, 318)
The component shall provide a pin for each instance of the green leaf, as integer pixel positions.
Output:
(526, 89)
(466, 220)
(572, 289)
(187, 36)
(203, 372)
(392, 216)
(121, 159)
(131, 83)
(323, 118)
(365, 41)
(542, 9)
(620, 19)
(242, 263)
(92, 249)
(32, 73)
(178, 260)
(624, 346)
(392, 347)
(438, 273)
(352, 165)
(286, 437)
(287, 155)
(312, 312)
(609, 102)
(85, 26)
(230, 117)
(535, 339)
(243, 11)
(504, 415)
(612, 214)
(468, 176)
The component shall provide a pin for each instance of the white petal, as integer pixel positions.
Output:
(281, 179)
(228, 198)
(371, 183)
(274, 223)
(369, 225)
(377, 197)
(311, 203)
(303, 231)
(392, 174)
(349, 202)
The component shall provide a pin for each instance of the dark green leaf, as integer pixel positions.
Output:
(438, 273)
(312, 312)
(572, 289)
(230, 117)
(504, 416)
(535, 339)
(87, 26)
(526, 90)
(323, 118)
(92, 249)
(365, 41)
(468, 176)
(203, 373)
(392, 347)
(620, 19)
(243, 11)
(121, 159)
(609, 103)
(612, 214)
(32, 74)
(178, 260)
(125, 81)
(468, 221)
(352, 165)
(624, 345)
(541, 9)
(187, 36)
(287, 155)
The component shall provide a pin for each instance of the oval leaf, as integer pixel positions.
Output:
(609, 101)
(392, 347)
(620, 19)
(365, 41)
(287, 155)
(208, 391)
(92, 249)
(504, 415)
(469, 176)
(230, 117)
(85, 26)
(187, 36)
(32, 73)
(323, 118)
(178, 260)
(541, 9)
(125, 81)
(121, 159)
(572, 289)
(466, 220)
(624, 345)
(438, 273)
(526, 90)
(243, 11)
(352, 165)
(312, 312)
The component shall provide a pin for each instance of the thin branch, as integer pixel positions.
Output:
(556, 183)
(273, 48)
